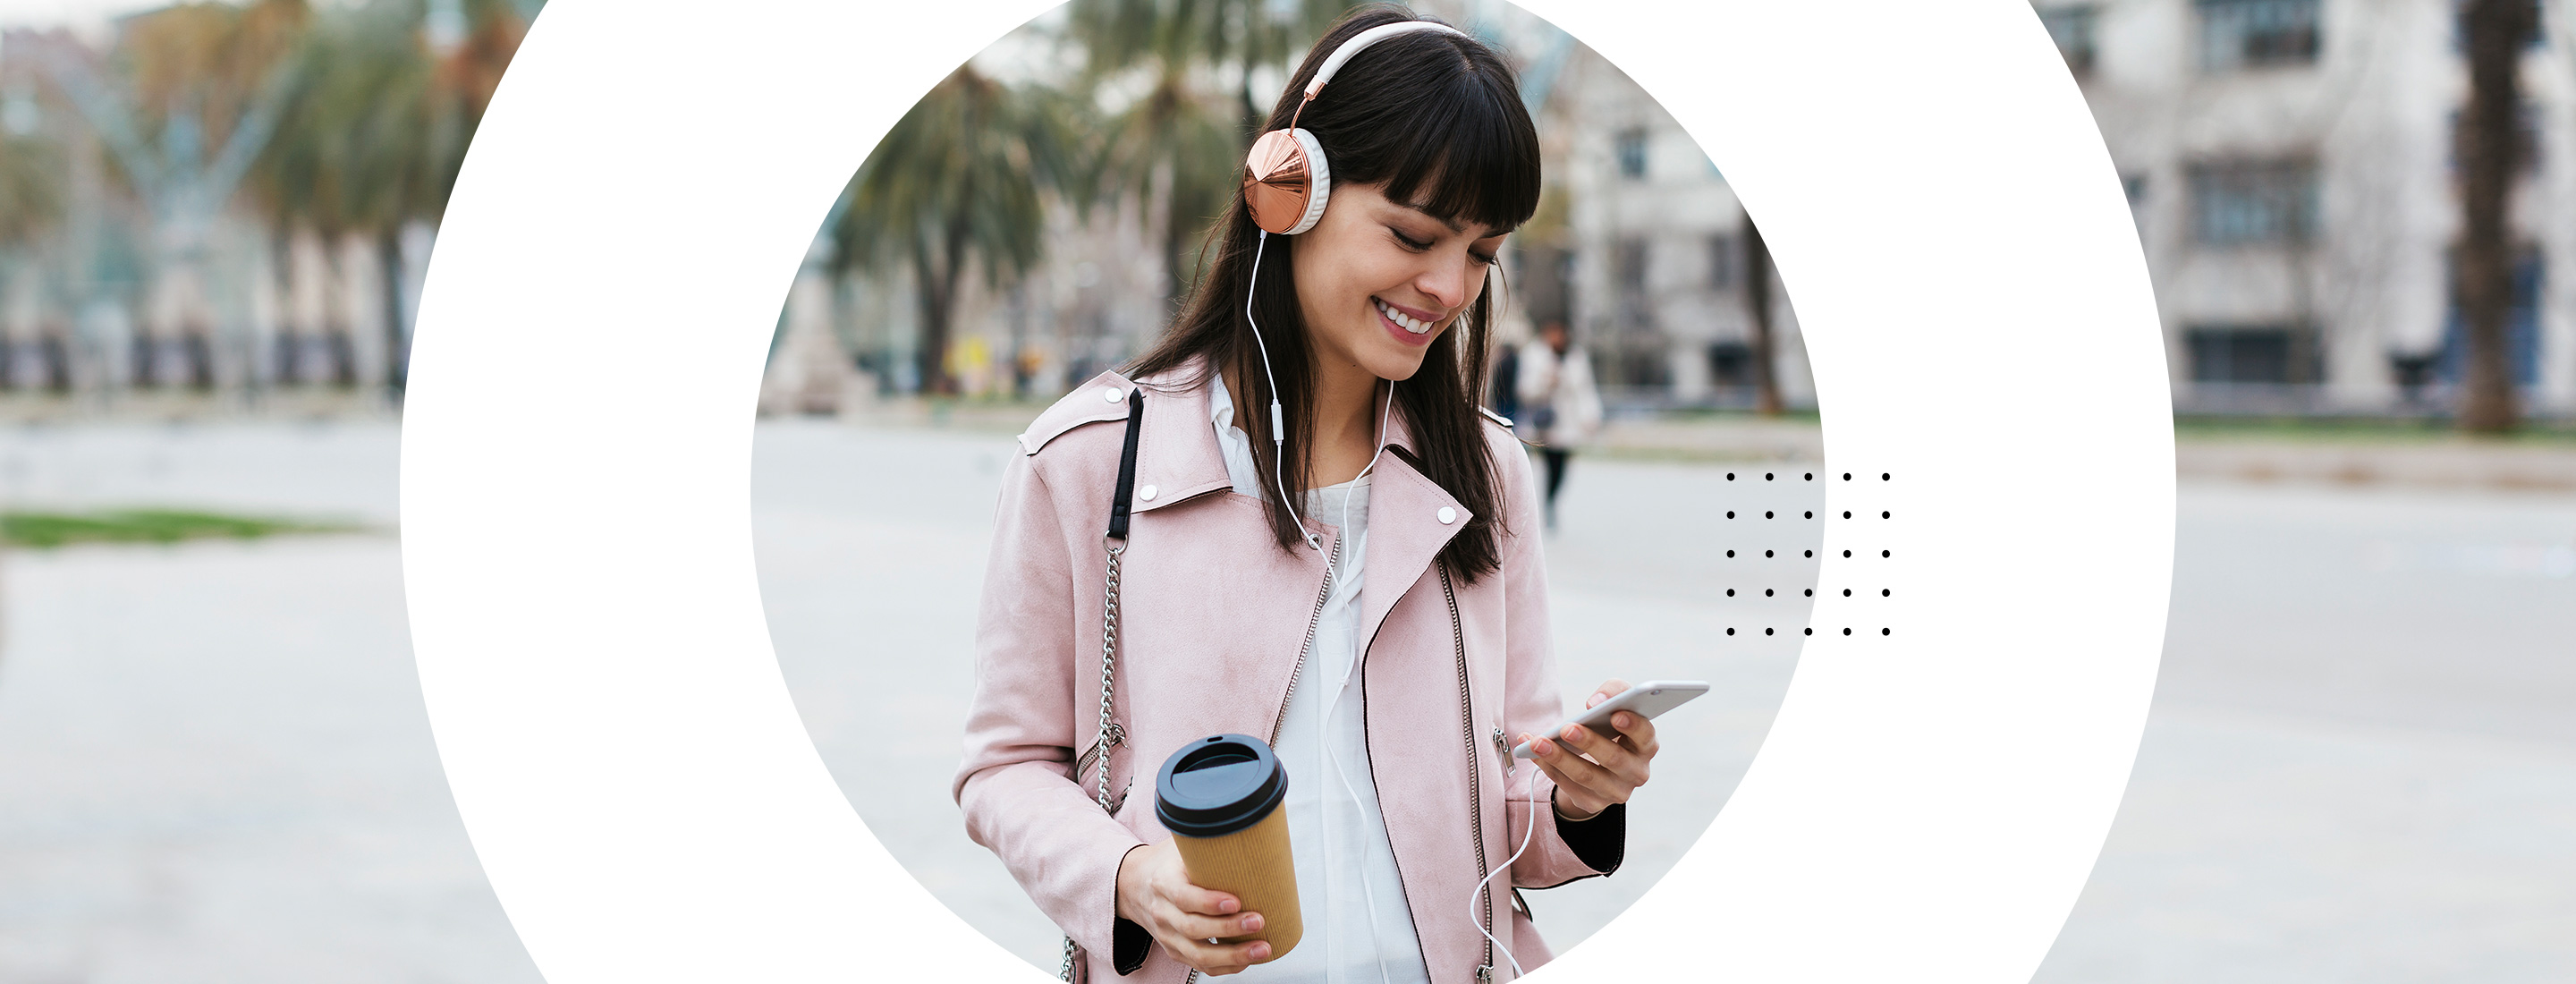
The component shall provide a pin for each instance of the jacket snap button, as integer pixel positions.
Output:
(1146, 493)
(1110, 394)
(1448, 515)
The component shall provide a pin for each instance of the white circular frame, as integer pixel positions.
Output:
(575, 491)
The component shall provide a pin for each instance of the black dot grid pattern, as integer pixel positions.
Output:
(1788, 504)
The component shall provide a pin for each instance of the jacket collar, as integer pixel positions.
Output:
(1177, 455)
(1176, 450)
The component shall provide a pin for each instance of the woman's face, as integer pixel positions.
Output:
(1378, 280)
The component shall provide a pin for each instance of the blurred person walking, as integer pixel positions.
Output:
(1560, 409)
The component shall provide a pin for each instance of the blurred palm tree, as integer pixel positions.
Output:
(962, 178)
(1179, 146)
(203, 81)
(391, 93)
(359, 144)
(31, 185)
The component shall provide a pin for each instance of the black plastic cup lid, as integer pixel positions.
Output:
(1216, 786)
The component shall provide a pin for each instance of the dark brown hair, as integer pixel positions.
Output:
(1439, 119)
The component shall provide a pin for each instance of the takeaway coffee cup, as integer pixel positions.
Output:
(1220, 799)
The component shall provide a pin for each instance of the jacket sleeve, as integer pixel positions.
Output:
(1533, 706)
(1016, 784)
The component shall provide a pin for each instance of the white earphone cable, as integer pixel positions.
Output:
(1278, 423)
(1528, 827)
(1334, 700)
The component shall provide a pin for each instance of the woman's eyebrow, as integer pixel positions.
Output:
(1453, 224)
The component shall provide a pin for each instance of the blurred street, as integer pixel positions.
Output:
(2361, 766)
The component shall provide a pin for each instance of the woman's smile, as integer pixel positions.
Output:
(1414, 272)
(1408, 325)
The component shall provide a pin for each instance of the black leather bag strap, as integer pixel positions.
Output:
(1127, 465)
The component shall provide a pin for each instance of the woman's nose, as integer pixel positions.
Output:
(1446, 282)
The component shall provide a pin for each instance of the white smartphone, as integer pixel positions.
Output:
(1651, 698)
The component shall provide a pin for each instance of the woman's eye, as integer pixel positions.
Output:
(1484, 258)
(1409, 242)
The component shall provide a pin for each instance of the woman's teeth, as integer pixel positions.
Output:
(1403, 320)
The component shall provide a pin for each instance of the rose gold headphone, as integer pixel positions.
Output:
(1286, 181)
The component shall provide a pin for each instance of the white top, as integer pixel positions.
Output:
(1358, 930)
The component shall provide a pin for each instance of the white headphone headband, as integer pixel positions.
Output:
(1364, 39)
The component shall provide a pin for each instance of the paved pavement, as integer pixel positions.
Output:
(2361, 766)
(214, 765)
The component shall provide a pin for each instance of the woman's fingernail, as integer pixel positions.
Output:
(1260, 952)
(1228, 905)
(1571, 730)
(1252, 923)
(1543, 748)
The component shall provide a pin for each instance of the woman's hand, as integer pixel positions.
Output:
(1591, 771)
(1154, 891)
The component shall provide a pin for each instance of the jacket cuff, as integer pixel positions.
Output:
(1600, 842)
(1130, 943)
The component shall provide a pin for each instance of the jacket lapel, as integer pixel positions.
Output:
(1404, 529)
(1177, 456)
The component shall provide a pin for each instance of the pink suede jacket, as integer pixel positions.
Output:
(1214, 620)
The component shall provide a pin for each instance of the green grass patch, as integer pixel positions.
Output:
(54, 529)
(1704, 415)
(2363, 429)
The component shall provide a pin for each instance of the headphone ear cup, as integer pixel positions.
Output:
(1286, 181)
(1319, 182)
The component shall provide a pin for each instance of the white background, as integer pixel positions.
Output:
(577, 548)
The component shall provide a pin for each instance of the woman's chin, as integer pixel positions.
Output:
(1397, 366)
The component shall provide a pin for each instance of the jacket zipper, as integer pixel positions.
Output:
(1313, 620)
(1475, 775)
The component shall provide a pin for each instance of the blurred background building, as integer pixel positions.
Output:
(2293, 166)
(216, 208)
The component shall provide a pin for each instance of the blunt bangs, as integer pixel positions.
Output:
(1470, 163)
(1439, 119)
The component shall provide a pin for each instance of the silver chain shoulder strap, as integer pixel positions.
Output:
(1111, 735)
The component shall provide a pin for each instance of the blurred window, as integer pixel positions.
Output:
(1639, 362)
(1722, 260)
(1730, 364)
(2072, 29)
(1632, 153)
(2244, 354)
(2255, 33)
(1631, 257)
(2242, 203)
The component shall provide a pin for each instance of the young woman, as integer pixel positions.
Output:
(1364, 590)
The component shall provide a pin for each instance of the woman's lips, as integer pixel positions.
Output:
(1401, 333)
